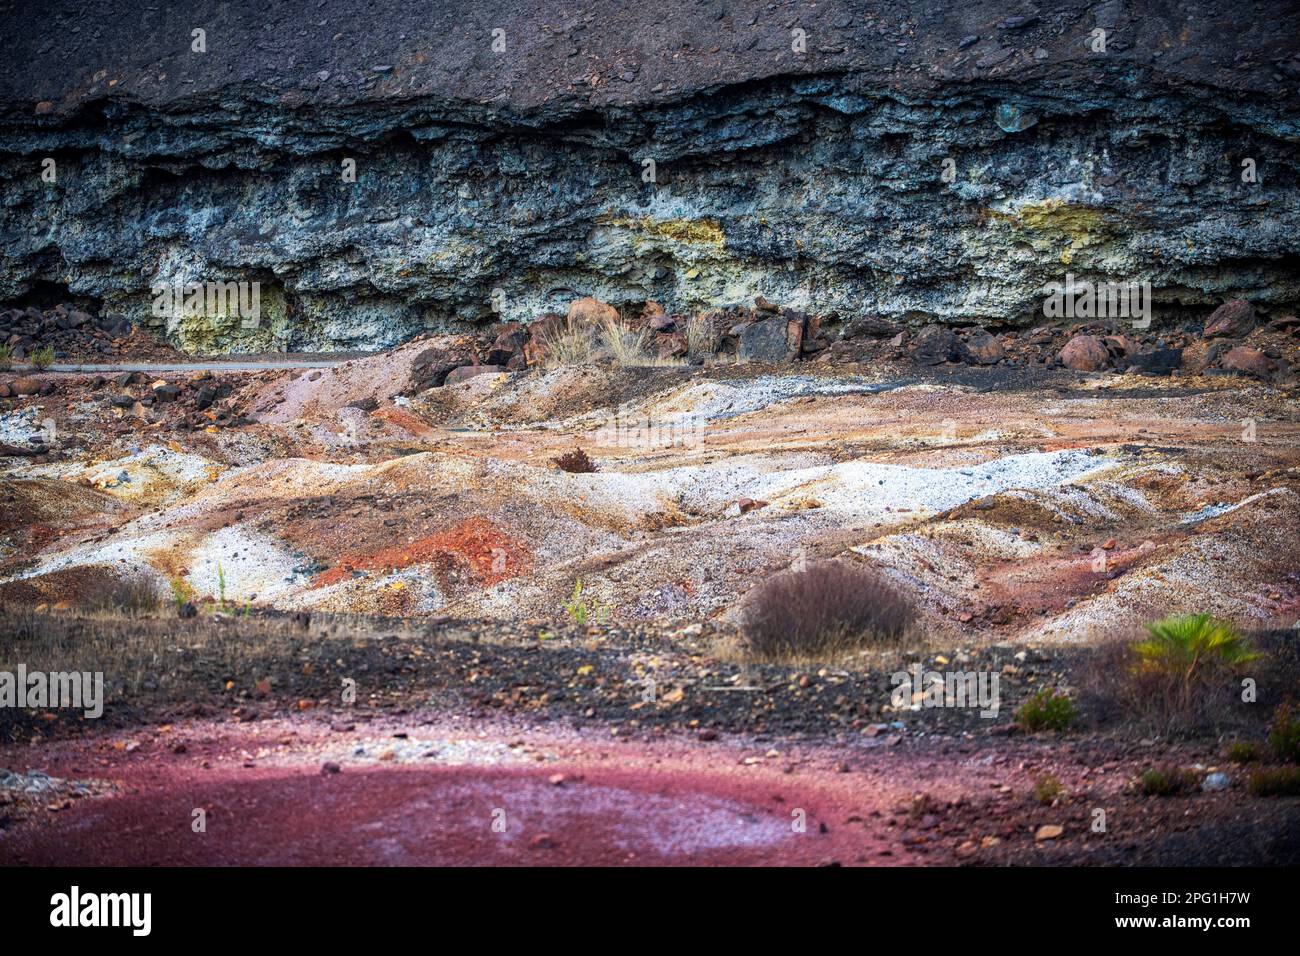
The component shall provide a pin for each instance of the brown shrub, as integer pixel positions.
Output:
(833, 605)
(576, 461)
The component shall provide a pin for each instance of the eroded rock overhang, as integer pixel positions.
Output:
(799, 152)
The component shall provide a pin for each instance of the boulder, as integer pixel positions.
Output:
(935, 344)
(167, 393)
(1248, 361)
(25, 386)
(1156, 361)
(796, 328)
(430, 368)
(659, 322)
(981, 348)
(509, 342)
(1120, 345)
(204, 397)
(1286, 323)
(772, 340)
(1084, 353)
(540, 331)
(1233, 319)
(869, 327)
(591, 312)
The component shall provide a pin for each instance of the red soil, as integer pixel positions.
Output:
(639, 809)
(489, 553)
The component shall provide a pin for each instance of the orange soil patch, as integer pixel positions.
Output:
(403, 420)
(489, 553)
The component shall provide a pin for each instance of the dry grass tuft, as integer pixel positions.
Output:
(571, 344)
(626, 346)
(630, 348)
(576, 343)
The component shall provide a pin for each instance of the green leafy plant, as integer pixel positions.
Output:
(1275, 782)
(6, 356)
(42, 358)
(1284, 733)
(1049, 709)
(1167, 781)
(1185, 653)
(577, 609)
(221, 585)
(182, 593)
(1189, 641)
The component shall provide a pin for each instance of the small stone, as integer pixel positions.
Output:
(1048, 831)
(1215, 781)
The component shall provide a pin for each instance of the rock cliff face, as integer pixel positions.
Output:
(843, 158)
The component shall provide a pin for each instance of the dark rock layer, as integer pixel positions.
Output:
(502, 184)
